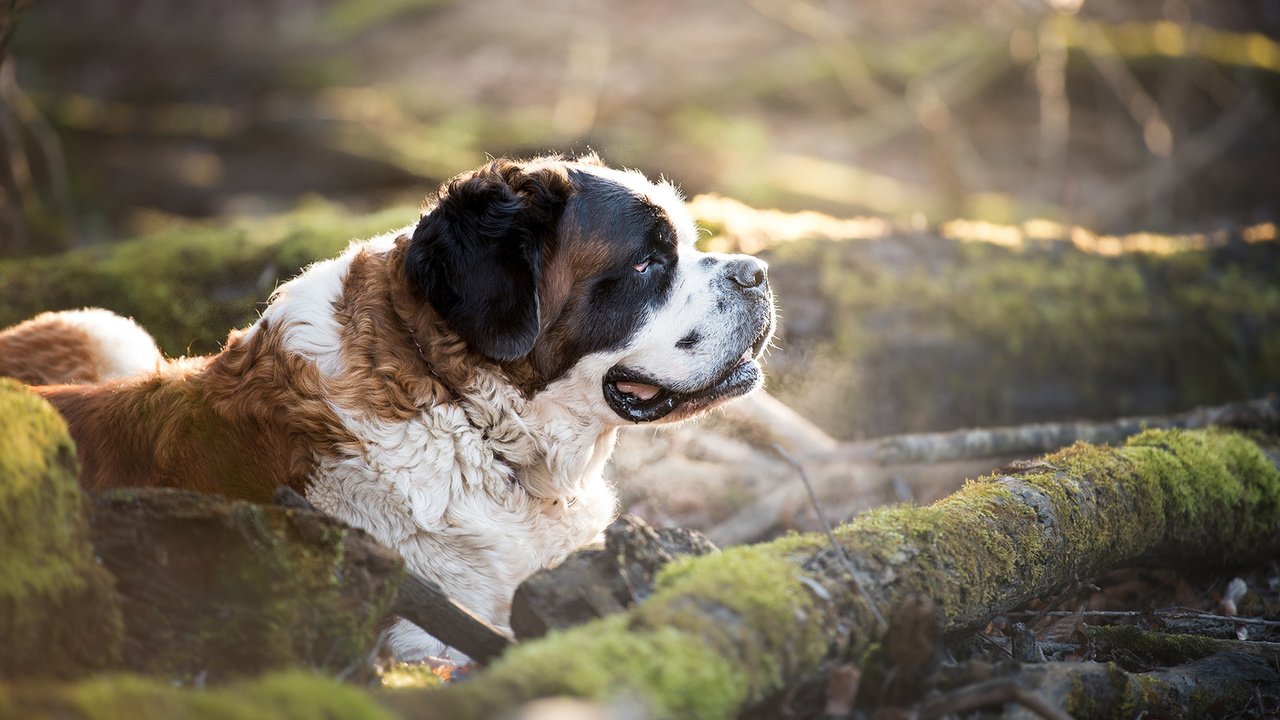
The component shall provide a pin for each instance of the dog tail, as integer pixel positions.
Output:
(76, 346)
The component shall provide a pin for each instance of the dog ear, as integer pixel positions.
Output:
(479, 252)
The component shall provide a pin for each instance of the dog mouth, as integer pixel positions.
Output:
(637, 398)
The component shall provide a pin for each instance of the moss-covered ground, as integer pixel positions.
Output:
(189, 284)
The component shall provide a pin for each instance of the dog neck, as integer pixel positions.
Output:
(387, 358)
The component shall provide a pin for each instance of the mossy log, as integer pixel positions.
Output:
(730, 628)
(1212, 686)
(916, 332)
(1153, 648)
(213, 589)
(188, 286)
(726, 630)
(58, 616)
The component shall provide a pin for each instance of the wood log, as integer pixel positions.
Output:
(212, 589)
(1261, 414)
(726, 630)
(425, 604)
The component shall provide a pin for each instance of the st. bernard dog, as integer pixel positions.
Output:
(454, 388)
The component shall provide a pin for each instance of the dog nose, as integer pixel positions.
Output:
(747, 272)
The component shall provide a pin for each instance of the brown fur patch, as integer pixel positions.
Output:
(256, 416)
(47, 349)
(240, 423)
(399, 357)
(564, 297)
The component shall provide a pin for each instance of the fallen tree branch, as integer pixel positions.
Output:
(1149, 647)
(730, 628)
(1212, 686)
(1036, 438)
(426, 605)
(855, 474)
(1165, 615)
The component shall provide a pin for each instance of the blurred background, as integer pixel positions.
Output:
(992, 212)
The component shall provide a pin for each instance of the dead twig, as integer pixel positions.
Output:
(847, 474)
(1173, 613)
(831, 536)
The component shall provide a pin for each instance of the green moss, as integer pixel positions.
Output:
(956, 548)
(768, 596)
(39, 498)
(674, 672)
(728, 628)
(1007, 336)
(286, 696)
(190, 284)
(350, 17)
(1149, 647)
(720, 631)
(1078, 511)
(409, 676)
(57, 613)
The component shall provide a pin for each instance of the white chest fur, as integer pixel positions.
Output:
(441, 493)
(475, 495)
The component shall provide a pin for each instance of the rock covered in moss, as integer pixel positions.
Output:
(58, 616)
(213, 588)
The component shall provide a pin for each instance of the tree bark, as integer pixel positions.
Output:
(728, 629)
(212, 589)
(1213, 686)
(1154, 648)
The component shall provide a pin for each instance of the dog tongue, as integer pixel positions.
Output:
(640, 390)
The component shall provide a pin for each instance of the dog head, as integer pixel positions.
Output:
(588, 278)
